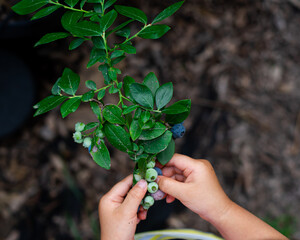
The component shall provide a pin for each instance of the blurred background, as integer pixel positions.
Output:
(239, 63)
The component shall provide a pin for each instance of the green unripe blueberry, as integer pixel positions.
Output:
(79, 126)
(151, 164)
(152, 187)
(100, 133)
(151, 175)
(77, 137)
(87, 142)
(146, 206)
(148, 201)
(137, 177)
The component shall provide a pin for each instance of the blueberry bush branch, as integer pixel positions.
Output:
(140, 124)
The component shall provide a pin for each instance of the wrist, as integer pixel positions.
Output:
(219, 214)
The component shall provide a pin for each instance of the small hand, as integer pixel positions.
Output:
(119, 213)
(195, 184)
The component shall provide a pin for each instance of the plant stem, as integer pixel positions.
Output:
(70, 8)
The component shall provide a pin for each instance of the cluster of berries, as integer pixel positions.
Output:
(154, 194)
(78, 136)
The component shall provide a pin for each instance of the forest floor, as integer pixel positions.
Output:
(238, 61)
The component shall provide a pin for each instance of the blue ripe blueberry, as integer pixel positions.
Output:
(151, 175)
(152, 187)
(79, 126)
(87, 142)
(178, 130)
(148, 201)
(158, 170)
(158, 195)
(77, 137)
(151, 163)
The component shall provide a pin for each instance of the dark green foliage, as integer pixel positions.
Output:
(139, 123)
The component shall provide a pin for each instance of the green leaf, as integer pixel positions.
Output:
(109, 3)
(96, 110)
(158, 144)
(151, 82)
(124, 32)
(128, 49)
(129, 109)
(178, 107)
(149, 124)
(70, 106)
(117, 60)
(90, 126)
(133, 13)
(117, 53)
(120, 27)
(154, 31)
(101, 94)
(76, 43)
(88, 96)
(165, 156)
(69, 82)
(104, 69)
(70, 18)
(168, 12)
(113, 114)
(135, 130)
(127, 81)
(177, 118)
(141, 94)
(142, 165)
(98, 42)
(112, 73)
(45, 12)
(82, 3)
(164, 95)
(48, 104)
(91, 84)
(56, 89)
(145, 116)
(71, 3)
(154, 132)
(107, 20)
(118, 137)
(85, 28)
(97, 55)
(101, 156)
(95, 18)
(28, 6)
(50, 37)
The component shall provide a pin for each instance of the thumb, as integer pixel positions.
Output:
(135, 196)
(170, 186)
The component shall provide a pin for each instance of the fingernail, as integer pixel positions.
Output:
(142, 184)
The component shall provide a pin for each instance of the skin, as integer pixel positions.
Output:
(195, 184)
(118, 210)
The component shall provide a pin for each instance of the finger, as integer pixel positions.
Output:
(170, 171)
(121, 188)
(142, 215)
(181, 162)
(171, 186)
(135, 196)
(170, 199)
(179, 178)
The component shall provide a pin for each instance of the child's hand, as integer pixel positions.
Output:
(118, 212)
(195, 184)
